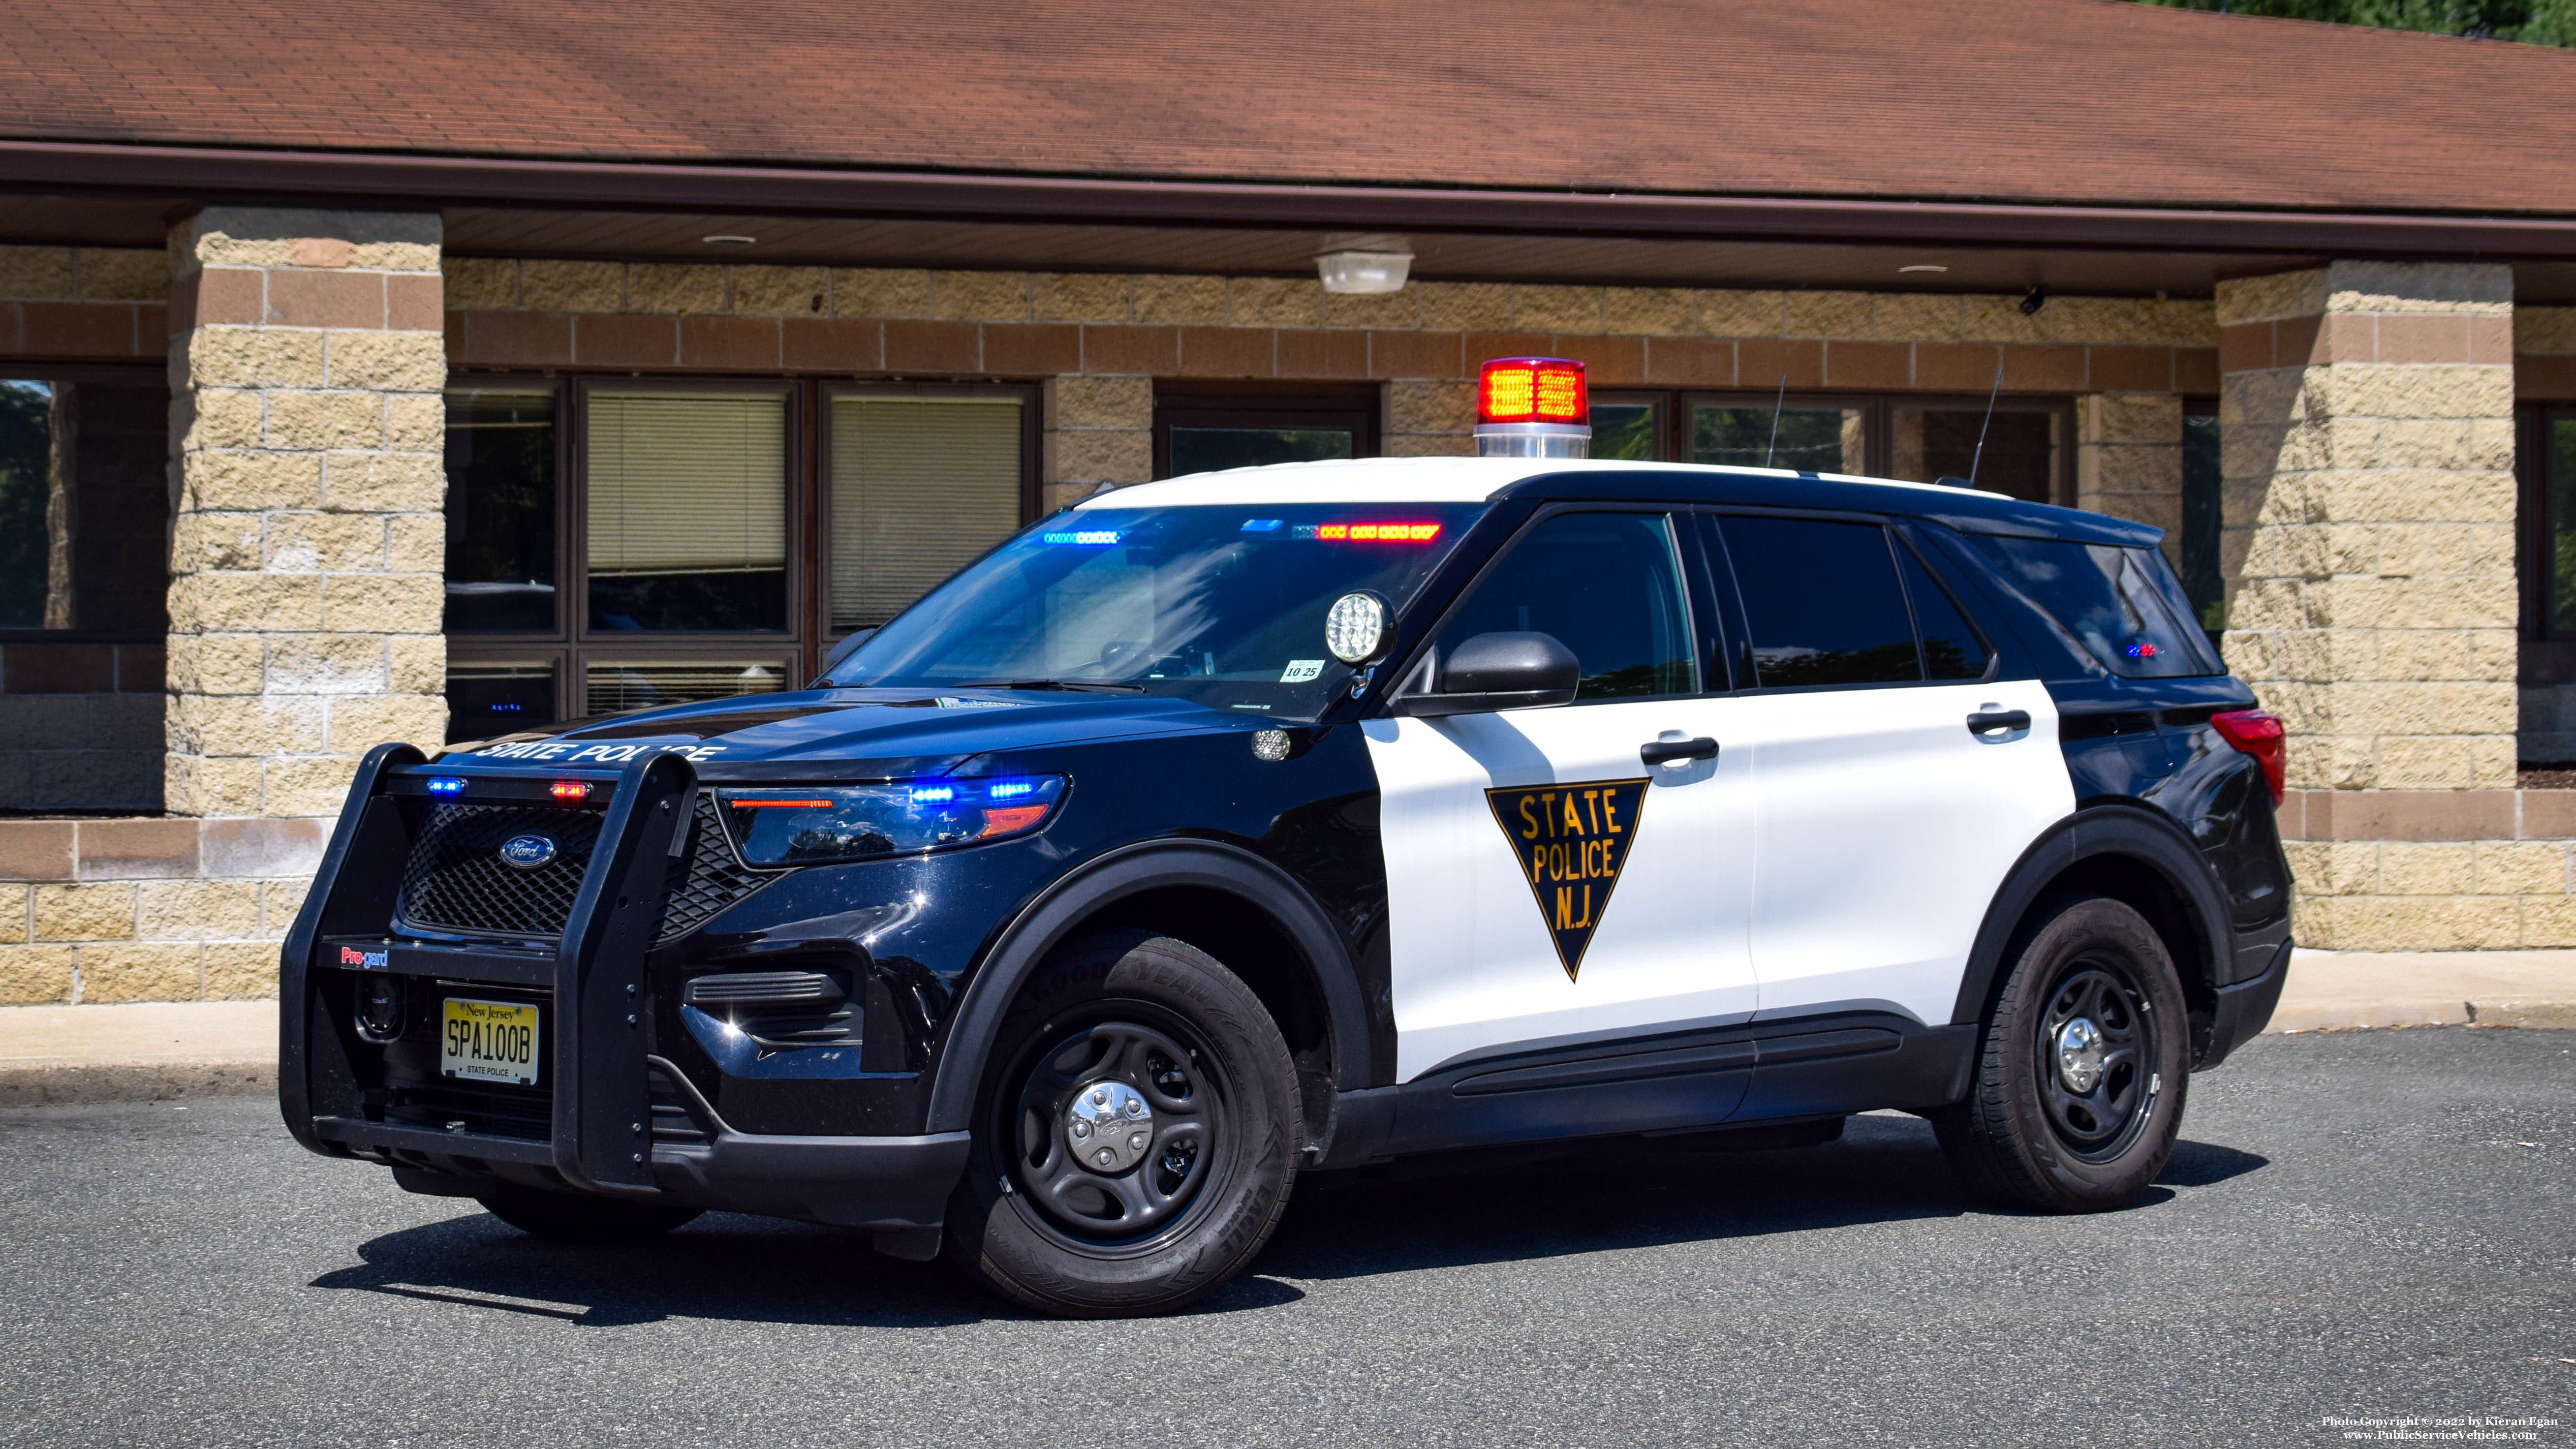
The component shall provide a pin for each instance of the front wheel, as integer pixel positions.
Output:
(2079, 1088)
(1135, 1136)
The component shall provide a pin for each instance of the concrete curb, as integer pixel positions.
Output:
(55, 1084)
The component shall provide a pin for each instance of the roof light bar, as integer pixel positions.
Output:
(1532, 407)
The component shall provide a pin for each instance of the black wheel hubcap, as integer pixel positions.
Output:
(2097, 1053)
(1118, 1129)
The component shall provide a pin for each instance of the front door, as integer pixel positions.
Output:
(1545, 885)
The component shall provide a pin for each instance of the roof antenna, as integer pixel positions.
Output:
(1979, 456)
(1775, 419)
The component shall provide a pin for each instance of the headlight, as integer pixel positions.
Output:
(804, 824)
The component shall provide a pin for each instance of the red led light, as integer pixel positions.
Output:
(1377, 532)
(1532, 390)
(780, 804)
(570, 790)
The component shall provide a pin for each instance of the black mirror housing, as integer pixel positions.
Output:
(1499, 671)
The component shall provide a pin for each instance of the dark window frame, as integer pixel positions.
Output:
(154, 375)
(1877, 409)
(1266, 405)
(571, 647)
(2547, 656)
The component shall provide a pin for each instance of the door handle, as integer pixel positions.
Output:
(1664, 752)
(1984, 721)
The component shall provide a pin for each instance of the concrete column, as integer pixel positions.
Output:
(2128, 460)
(2366, 411)
(307, 483)
(1096, 430)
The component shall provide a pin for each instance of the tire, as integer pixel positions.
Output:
(563, 1217)
(1144, 1051)
(2095, 986)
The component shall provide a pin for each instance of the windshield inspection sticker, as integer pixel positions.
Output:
(1301, 670)
(1572, 841)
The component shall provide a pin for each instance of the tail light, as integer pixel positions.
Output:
(1532, 407)
(2258, 733)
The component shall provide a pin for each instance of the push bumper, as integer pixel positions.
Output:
(599, 1133)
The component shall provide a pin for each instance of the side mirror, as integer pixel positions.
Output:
(1499, 671)
(841, 651)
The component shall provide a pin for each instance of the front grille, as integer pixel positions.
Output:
(456, 880)
(708, 878)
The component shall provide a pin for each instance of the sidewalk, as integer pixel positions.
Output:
(53, 1054)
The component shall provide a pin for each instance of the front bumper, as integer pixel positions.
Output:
(606, 1117)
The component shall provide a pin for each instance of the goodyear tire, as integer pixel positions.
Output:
(1135, 1133)
(2080, 1082)
(563, 1217)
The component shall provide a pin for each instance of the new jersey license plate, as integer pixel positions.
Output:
(489, 1041)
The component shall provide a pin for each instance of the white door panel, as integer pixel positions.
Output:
(1474, 965)
(1885, 830)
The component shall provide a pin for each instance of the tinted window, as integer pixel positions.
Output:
(2123, 603)
(1821, 601)
(1951, 648)
(1608, 586)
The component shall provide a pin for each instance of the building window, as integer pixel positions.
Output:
(921, 486)
(2547, 461)
(501, 502)
(716, 537)
(2204, 570)
(84, 504)
(1200, 430)
(1920, 439)
(685, 497)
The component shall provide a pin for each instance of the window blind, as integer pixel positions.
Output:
(687, 483)
(920, 487)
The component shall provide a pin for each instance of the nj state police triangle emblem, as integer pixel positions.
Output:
(1572, 841)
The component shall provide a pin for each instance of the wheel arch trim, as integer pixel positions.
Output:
(2092, 832)
(1057, 912)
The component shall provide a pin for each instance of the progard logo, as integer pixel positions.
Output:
(1572, 840)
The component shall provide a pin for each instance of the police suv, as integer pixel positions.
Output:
(1298, 818)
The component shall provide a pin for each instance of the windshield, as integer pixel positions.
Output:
(1222, 605)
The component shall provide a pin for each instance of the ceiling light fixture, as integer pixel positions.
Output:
(726, 239)
(1923, 267)
(1367, 265)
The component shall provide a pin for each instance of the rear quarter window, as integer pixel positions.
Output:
(2122, 604)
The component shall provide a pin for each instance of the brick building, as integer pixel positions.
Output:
(401, 374)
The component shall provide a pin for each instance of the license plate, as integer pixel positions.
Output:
(489, 1041)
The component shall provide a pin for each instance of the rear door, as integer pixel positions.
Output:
(1884, 822)
(1545, 885)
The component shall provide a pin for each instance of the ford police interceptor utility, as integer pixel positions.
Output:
(1298, 818)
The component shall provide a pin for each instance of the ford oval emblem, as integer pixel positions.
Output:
(528, 852)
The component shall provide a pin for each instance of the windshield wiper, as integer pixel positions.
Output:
(1055, 684)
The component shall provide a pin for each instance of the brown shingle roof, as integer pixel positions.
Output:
(2009, 100)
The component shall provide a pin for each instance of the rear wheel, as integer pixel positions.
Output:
(563, 1217)
(2079, 1089)
(1135, 1137)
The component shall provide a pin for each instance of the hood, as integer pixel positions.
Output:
(890, 731)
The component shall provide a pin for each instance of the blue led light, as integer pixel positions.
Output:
(1091, 536)
(446, 785)
(929, 794)
(1263, 525)
(1009, 788)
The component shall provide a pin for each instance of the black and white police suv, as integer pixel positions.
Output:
(1297, 818)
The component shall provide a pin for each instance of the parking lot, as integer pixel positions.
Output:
(2359, 1224)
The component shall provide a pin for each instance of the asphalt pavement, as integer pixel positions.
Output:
(2363, 1225)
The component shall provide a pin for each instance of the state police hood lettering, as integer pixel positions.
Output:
(838, 725)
